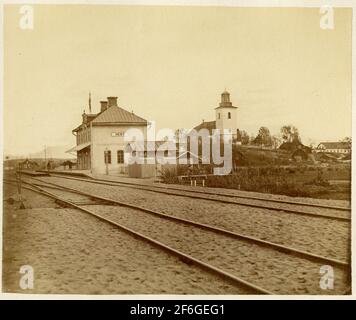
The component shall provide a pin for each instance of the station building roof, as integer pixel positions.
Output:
(113, 115)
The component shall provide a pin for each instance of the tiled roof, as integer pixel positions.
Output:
(117, 114)
(334, 145)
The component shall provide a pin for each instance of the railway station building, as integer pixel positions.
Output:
(100, 144)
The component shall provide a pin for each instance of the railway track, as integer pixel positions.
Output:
(222, 198)
(329, 238)
(284, 250)
(184, 257)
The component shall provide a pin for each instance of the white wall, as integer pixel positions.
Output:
(101, 139)
(224, 122)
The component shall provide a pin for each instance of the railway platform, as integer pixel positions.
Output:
(109, 178)
(76, 173)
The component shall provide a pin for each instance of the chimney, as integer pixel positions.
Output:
(104, 105)
(112, 101)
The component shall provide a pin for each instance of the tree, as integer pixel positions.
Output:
(245, 138)
(264, 137)
(276, 141)
(290, 133)
(347, 139)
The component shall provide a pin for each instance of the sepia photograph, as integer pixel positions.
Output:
(176, 149)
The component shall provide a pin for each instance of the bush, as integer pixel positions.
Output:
(319, 180)
(270, 179)
(169, 175)
(267, 179)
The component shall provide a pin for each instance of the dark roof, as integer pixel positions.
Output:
(210, 125)
(293, 146)
(115, 114)
(334, 145)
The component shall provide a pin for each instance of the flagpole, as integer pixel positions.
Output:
(89, 102)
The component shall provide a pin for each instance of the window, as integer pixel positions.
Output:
(120, 156)
(229, 115)
(166, 153)
(107, 156)
(219, 115)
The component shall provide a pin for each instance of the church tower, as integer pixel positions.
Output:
(226, 115)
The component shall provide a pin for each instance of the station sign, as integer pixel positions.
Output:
(118, 134)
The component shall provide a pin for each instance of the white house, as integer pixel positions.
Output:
(100, 138)
(334, 147)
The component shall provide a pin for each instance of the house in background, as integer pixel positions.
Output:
(334, 147)
(297, 150)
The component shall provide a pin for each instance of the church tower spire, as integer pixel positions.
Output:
(225, 99)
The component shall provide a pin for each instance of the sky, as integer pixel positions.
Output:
(170, 65)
